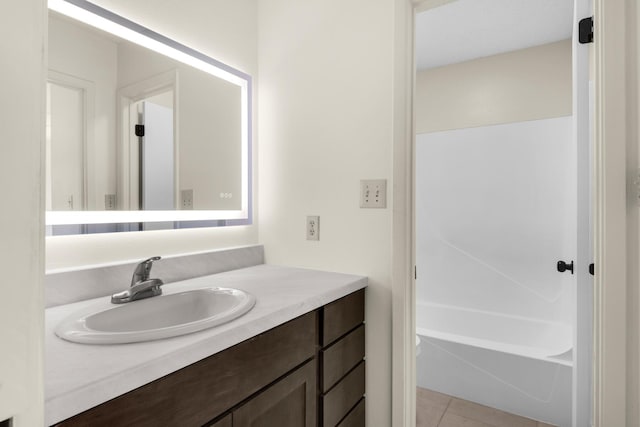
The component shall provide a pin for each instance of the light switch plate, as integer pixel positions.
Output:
(373, 193)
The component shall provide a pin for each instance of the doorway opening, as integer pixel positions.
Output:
(501, 198)
(148, 161)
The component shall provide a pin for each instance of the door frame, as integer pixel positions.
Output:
(609, 209)
(610, 215)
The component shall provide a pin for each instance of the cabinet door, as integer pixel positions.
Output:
(290, 402)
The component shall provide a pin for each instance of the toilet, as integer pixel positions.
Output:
(417, 345)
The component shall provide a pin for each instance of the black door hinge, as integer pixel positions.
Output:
(562, 266)
(585, 30)
(139, 130)
(415, 272)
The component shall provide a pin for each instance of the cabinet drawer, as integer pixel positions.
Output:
(356, 417)
(341, 316)
(341, 357)
(344, 396)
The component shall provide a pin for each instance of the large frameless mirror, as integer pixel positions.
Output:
(142, 132)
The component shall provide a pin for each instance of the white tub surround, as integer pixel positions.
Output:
(491, 229)
(80, 376)
(496, 314)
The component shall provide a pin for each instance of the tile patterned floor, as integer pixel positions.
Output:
(439, 410)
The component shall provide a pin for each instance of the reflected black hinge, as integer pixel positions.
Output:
(139, 130)
(585, 30)
(415, 272)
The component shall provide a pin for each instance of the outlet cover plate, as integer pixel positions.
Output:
(373, 193)
(109, 202)
(313, 228)
(186, 199)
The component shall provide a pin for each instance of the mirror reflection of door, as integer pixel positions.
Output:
(156, 155)
(65, 181)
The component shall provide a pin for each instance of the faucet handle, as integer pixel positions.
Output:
(143, 270)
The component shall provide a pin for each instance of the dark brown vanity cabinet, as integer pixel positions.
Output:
(307, 372)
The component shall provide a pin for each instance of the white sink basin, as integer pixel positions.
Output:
(155, 318)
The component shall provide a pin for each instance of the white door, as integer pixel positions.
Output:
(157, 158)
(158, 162)
(65, 148)
(583, 333)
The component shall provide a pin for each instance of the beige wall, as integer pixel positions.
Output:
(223, 30)
(527, 84)
(326, 121)
(22, 214)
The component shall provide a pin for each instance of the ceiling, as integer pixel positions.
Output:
(461, 30)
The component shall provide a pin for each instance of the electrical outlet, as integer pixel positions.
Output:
(313, 228)
(373, 193)
(186, 199)
(109, 202)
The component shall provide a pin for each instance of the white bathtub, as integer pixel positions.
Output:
(515, 364)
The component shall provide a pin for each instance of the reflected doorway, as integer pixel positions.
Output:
(156, 155)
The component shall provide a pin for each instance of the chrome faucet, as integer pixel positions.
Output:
(141, 285)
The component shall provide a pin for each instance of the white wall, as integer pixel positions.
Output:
(22, 114)
(527, 84)
(210, 144)
(326, 121)
(223, 30)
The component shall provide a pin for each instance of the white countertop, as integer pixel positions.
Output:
(81, 376)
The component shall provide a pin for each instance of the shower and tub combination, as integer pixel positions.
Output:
(495, 212)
